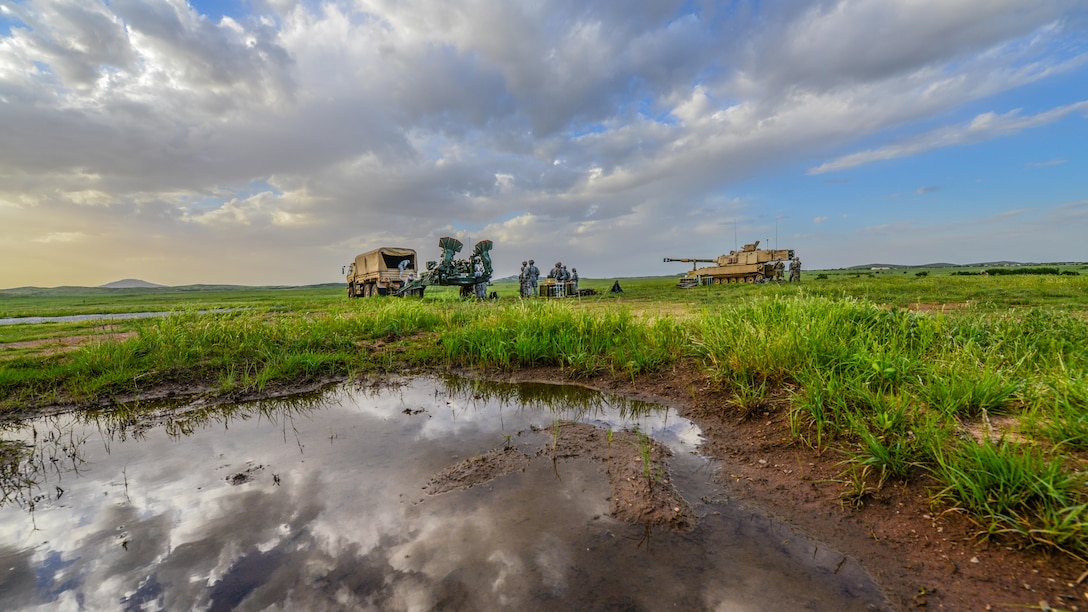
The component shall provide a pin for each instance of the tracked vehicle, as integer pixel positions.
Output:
(748, 265)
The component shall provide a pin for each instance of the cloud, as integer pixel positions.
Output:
(928, 189)
(985, 126)
(571, 129)
(1053, 162)
(819, 220)
(59, 237)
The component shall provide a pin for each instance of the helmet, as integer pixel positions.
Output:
(531, 261)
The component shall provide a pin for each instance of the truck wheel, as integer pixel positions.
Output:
(351, 290)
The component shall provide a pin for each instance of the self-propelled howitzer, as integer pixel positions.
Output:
(748, 265)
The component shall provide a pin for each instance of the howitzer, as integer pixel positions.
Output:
(450, 271)
(748, 265)
(694, 262)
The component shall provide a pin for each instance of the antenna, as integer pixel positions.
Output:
(776, 233)
(735, 247)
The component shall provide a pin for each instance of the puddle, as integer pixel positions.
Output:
(97, 317)
(320, 503)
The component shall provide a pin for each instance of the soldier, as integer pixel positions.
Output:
(795, 270)
(481, 285)
(533, 274)
(523, 280)
(574, 277)
(778, 268)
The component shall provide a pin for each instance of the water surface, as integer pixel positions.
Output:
(318, 503)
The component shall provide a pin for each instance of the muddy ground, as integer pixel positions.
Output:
(923, 557)
(640, 490)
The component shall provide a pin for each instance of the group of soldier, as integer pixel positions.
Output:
(562, 275)
(795, 270)
(529, 277)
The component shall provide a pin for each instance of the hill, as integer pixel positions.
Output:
(129, 283)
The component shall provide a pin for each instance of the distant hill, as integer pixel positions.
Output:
(985, 264)
(900, 266)
(130, 283)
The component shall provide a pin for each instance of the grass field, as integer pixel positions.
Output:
(978, 384)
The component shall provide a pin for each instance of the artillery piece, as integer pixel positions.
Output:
(748, 265)
(456, 272)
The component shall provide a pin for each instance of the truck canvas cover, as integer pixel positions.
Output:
(386, 258)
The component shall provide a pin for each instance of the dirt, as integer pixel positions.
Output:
(924, 557)
(478, 470)
(51, 346)
(641, 492)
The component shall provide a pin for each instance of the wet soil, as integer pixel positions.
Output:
(924, 557)
(52, 346)
(640, 489)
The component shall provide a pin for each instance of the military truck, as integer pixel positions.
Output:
(748, 265)
(383, 271)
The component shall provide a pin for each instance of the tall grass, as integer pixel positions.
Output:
(1012, 488)
(235, 350)
(585, 343)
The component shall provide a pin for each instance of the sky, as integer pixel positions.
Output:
(267, 142)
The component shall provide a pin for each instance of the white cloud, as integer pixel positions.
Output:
(59, 237)
(985, 126)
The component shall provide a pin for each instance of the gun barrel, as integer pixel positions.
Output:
(689, 260)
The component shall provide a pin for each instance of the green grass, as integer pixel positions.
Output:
(1010, 488)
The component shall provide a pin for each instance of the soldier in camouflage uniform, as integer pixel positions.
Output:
(481, 285)
(532, 273)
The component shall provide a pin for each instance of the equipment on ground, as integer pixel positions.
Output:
(749, 265)
(465, 273)
(380, 272)
(551, 288)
